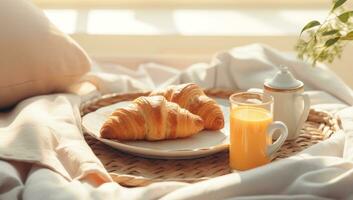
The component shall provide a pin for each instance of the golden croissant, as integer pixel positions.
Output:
(151, 118)
(191, 97)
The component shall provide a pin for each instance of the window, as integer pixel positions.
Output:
(184, 31)
(197, 28)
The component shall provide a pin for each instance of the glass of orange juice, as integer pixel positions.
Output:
(251, 129)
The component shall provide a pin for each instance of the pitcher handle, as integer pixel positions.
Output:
(305, 113)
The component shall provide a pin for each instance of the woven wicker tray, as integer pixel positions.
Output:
(130, 170)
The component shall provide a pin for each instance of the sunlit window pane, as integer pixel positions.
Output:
(64, 19)
(200, 22)
(120, 22)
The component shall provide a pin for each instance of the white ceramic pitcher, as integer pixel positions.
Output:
(291, 106)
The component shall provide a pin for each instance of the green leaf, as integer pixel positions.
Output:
(331, 41)
(331, 32)
(348, 36)
(338, 3)
(310, 25)
(345, 16)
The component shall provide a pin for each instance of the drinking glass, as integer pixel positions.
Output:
(251, 129)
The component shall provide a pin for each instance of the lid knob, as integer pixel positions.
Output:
(283, 69)
(283, 79)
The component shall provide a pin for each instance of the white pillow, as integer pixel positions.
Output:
(35, 57)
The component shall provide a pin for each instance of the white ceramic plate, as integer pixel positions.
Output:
(202, 144)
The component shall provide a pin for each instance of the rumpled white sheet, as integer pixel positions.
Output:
(324, 171)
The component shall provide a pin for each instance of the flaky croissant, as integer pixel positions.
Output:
(191, 97)
(151, 118)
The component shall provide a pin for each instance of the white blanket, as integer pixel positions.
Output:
(324, 171)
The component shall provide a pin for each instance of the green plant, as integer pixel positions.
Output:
(323, 42)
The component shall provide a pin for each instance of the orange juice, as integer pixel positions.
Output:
(248, 137)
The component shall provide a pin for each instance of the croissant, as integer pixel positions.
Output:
(151, 118)
(191, 97)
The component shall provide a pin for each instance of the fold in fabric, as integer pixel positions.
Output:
(239, 68)
(46, 130)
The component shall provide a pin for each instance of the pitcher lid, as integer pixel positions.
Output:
(283, 79)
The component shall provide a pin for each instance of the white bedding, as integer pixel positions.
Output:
(69, 170)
